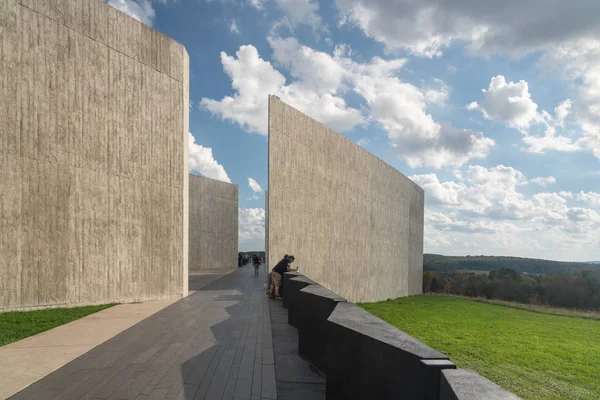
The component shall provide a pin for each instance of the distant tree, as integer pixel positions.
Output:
(435, 285)
(427, 278)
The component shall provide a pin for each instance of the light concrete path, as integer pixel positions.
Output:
(29, 360)
(214, 344)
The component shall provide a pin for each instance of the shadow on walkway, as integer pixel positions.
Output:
(213, 344)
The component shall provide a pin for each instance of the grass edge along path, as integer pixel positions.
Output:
(534, 355)
(18, 325)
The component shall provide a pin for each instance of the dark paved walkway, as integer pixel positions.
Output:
(296, 378)
(214, 344)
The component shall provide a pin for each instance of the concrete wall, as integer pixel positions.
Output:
(354, 223)
(93, 157)
(213, 224)
(267, 269)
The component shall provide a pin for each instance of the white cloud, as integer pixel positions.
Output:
(511, 103)
(301, 11)
(569, 44)
(508, 102)
(543, 182)
(472, 106)
(254, 78)
(233, 28)
(438, 93)
(255, 186)
(579, 60)
(539, 144)
(201, 160)
(320, 81)
(426, 28)
(591, 198)
(399, 107)
(562, 111)
(487, 208)
(141, 10)
(251, 223)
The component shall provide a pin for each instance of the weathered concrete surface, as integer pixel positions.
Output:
(213, 225)
(267, 268)
(93, 157)
(354, 223)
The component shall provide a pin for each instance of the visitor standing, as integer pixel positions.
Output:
(256, 262)
(281, 268)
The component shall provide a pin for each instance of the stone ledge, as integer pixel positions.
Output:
(464, 384)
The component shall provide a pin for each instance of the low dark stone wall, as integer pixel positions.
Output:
(284, 279)
(293, 285)
(372, 359)
(364, 357)
(315, 305)
(464, 384)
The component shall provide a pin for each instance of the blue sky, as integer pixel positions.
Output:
(494, 110)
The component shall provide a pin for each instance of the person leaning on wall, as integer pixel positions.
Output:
(277, 272)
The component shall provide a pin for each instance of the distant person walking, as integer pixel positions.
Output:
(256, 262)
(281, 268)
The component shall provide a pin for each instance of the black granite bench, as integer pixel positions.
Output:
(464, 384)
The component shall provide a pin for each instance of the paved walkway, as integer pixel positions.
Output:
(296, 378)
(214, 344)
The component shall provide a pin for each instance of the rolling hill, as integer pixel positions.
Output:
(450, 264)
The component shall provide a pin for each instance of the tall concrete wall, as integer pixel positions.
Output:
(354, 223)
(93, 157)
(213, 225)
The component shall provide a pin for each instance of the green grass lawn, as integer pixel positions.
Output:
(533, 355)
(21, 324)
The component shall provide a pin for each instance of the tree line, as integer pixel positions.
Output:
(450, 264)
(580, 290)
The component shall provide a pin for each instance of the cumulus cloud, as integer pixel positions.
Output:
(437, 93)
(301, 11)
(487, 208)
(254, 78)
(201, 160)
(511, 103)
(591, 198)
(540, 144)
(580, 62)
(321, 79)
(141, 10)
(569, 44)
(541, 181)
(251, 223)
(426, 28)
(562, 111)
(508, 102)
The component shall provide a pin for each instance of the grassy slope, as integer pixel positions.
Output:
(533, 355)
(19, 325)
